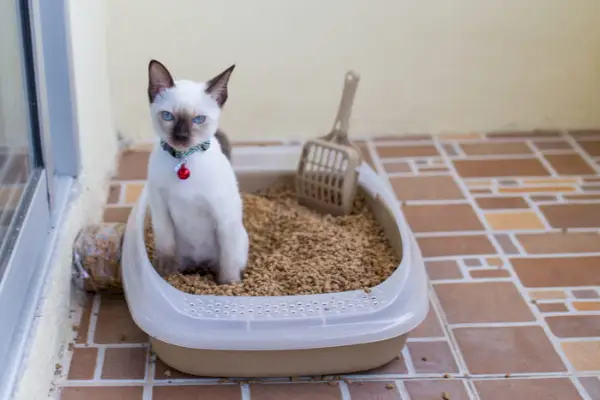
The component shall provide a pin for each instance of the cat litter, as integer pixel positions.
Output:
(341, 331)
(295, 251)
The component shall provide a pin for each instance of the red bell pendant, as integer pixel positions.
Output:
(183, 172)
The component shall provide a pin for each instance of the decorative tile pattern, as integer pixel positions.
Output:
(440, 270)
(500, 168)
(572, 215)
(509, 349)
(448, 246)
(550, 389)
(558, 272)
(300, 391)
(509, 226)
(514, 221)
(231, 392)
(127, 363)
(583, 355)
(482, 302)
(426, 188)
(569, 326)
(501, 203)
(569, 164)
(432, 357)
(591, 385)
(83, 364)
(560, 242)
(412, 151)
(102, 393)
(495, 148)
(442, 218)
(374, 390)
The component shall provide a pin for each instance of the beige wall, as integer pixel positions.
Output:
(426, 66)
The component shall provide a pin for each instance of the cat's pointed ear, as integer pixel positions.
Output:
(159, 79)
(217, 86)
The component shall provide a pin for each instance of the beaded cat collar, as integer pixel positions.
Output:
(182, 171)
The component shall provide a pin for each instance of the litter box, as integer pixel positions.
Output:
(257, 337)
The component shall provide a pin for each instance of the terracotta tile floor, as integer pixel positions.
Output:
(509, 224)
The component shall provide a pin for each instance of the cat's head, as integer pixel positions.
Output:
(185, 113)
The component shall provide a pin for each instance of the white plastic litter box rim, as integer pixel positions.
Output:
(393, 308)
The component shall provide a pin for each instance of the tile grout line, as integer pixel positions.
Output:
(99, 364)
(579, 339)
(463, 270)
(512, 238)
(408, 362)
(459, 150)
(245, 391)
(518, 245)
(401, 389)
(536, 209)
(354, 378)
(95, 309)
(414, 170)
(578, 149)
(508, 232)
(344, 390)
(426, 339)
(528, 255)
(122, 187)
(483, 138)
(111, 345)
(433, 202)
(478, 157)
(537, 154)
(471, 389)
(149, 375)
(499, 211)
(579, 387)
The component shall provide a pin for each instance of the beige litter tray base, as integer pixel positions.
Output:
(279, 363)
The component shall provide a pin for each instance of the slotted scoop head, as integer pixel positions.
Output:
(327, 175)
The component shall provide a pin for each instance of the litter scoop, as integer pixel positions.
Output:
(327, 175)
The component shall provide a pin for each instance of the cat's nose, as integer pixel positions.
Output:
(181, 135)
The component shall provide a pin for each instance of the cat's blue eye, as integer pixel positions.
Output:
(199, 119)
(167, 116)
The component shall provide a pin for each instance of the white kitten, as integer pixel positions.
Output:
(194, 199)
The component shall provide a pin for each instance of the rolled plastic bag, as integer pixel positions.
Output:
(97, 257)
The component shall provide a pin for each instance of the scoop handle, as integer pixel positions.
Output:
(339, 133)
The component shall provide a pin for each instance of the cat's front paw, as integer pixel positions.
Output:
(166, 265)
(229, 274)
(231, 269)
(234, 256)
